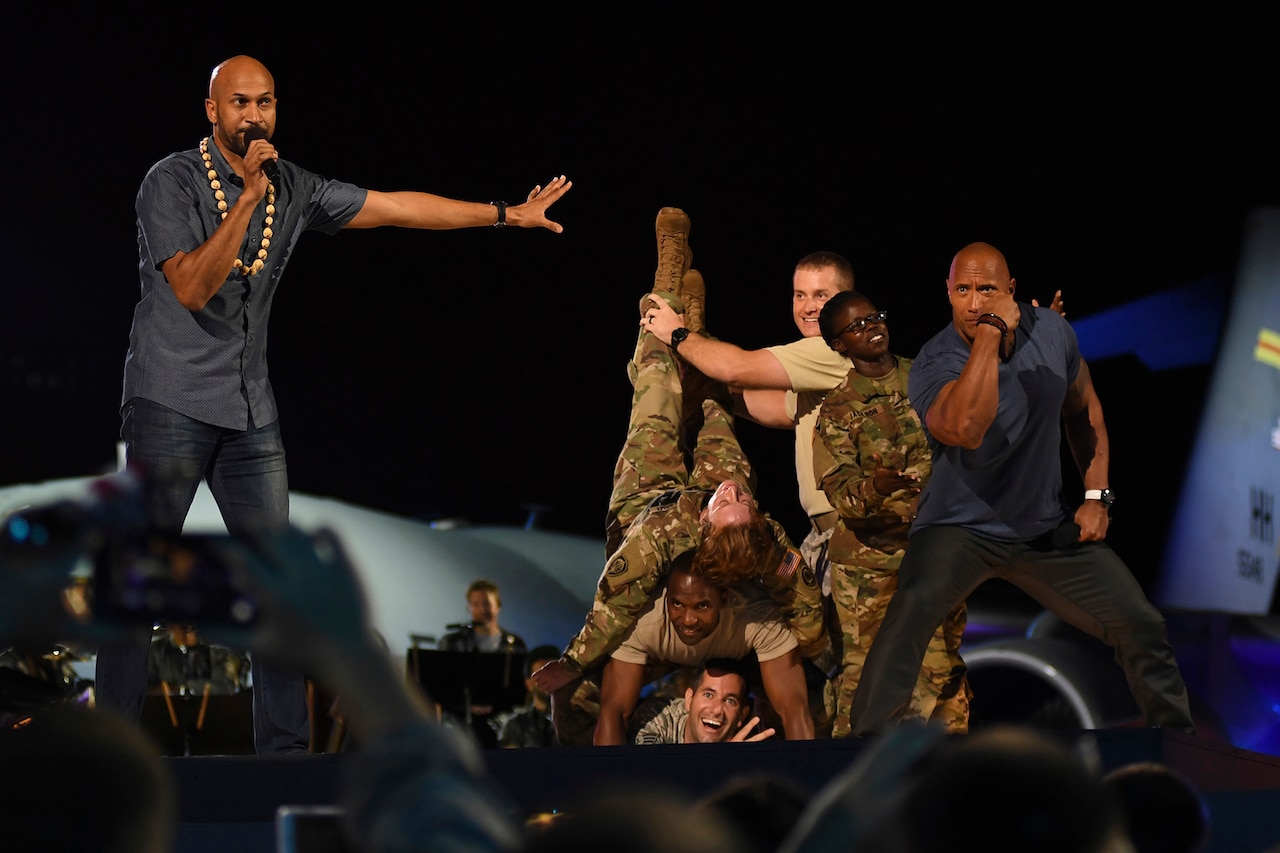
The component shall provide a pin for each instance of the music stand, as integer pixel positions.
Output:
(459, 680)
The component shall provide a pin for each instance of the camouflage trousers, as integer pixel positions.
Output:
(941, 694)
(814, 550)
(680, 436)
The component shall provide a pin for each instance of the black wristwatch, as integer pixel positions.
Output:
(1103, 495)
(678, 336)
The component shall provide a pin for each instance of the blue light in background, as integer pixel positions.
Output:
(1178, 327)
(19, 529)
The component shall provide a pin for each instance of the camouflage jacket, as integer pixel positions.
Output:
(861, 419)
(667, 528)
(524, 726)
(667, 726)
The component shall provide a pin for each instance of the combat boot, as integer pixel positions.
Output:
(693, 290)
(674, 257)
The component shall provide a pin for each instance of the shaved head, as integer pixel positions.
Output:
(981, 256)
(226, 74)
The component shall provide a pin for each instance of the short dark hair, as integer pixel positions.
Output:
(766, 807)
(121, 790)
(547, 652)
(838, 262)
(1163, 809)
(483, 585)
(726, 666)
(827, 316)
(1028, 789)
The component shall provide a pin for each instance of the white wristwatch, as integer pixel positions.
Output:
(1103, 495)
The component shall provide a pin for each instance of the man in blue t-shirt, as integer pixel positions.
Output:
(992, 389)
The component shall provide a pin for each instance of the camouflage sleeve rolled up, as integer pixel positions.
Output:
(633, 574)
(860, 420)
(791, 584)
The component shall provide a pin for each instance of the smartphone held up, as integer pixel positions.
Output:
(122, 570)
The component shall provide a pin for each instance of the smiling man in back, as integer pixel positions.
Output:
(714, 709)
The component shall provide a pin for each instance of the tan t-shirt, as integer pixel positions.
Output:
(813, 369)
(745, 626)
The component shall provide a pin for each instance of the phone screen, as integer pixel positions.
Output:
(187, 578)
(310, 829)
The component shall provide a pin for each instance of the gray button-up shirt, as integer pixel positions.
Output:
(211, 365)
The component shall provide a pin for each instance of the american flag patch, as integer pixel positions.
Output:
(790, 562)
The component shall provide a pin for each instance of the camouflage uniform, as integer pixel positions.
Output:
(667, 726)
(860, 418)
(525, 726)
(654, 518)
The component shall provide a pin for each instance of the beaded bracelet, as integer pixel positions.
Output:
(990, 319)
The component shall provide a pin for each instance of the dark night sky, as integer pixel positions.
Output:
(473, 372)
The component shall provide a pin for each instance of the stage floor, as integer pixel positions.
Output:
(230, 802)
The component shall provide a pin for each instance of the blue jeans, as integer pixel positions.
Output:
(245, 470)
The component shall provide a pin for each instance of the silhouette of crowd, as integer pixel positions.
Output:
(414, 784)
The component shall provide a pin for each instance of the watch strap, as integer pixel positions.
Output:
(1104, 496)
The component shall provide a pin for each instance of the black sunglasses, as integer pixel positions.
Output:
(862, 322)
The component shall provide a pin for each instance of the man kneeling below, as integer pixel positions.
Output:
(717, 708)
(690, 623)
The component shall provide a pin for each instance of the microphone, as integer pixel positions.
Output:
(270, 167)
(458, 626)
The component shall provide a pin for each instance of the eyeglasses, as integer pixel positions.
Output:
(862, 322)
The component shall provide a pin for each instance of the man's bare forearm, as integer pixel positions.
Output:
(784, 684)
(731, 364)
(797, 723)
(721, 361)
(197, 275)
(966, 408)
(611, 729)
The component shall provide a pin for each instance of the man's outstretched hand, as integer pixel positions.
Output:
(533, 212)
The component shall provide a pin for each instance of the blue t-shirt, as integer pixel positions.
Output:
(1009, 488)
(211, 365)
